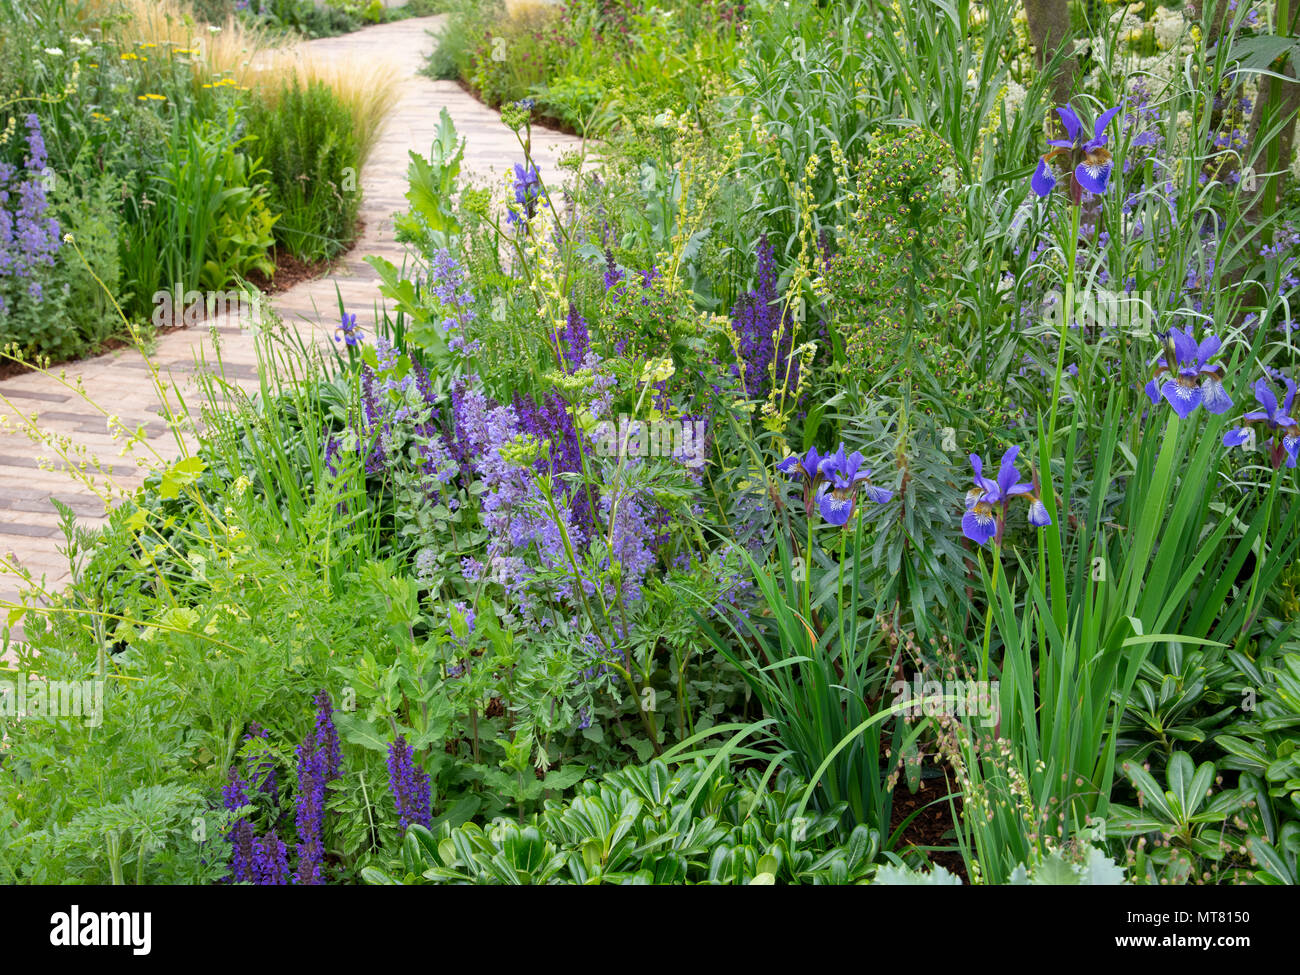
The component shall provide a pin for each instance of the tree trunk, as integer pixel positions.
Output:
(1276, 100)
(1049, 29)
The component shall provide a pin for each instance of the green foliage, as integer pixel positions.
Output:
(311, 163)
(696, 824)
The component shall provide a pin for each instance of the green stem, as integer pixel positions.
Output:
(988, 613)
(1067, 312)
(1259, 559)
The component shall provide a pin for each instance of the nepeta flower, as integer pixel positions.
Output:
(1092, 173)
(1283, 430)
(1197, 382)
(987, 501)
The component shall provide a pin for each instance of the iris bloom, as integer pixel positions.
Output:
(987, 501)
(349, 332)
(1284, 431)
(845, 476)
(1195, 382)
(807, 469)
(834, 481)
(1092, 173)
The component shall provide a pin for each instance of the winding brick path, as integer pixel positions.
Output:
(120, 382)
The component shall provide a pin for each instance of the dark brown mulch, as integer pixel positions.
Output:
(933, 828)
(290, 271)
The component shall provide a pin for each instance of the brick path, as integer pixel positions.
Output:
(120, 382)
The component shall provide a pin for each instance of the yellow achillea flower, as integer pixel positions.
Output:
(151, 97)
(100, 117)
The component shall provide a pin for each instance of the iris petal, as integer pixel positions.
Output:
(878, 494)
(835, 510)
(1184, 399)
(1291, 444)
(1093, 177)
(1007, 473)
(1264, 393)
(1185, 346)
(1043, 180)
(1235, 438)
(1209, 346)
(1071, 122)
(978, 527)
(1099, 128)
(1216, 398)
(1038, 516)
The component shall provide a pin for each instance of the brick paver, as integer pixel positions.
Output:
(120, 382)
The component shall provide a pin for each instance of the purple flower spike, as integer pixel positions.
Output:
(409, 784)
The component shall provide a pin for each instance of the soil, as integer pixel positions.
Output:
(931, 829)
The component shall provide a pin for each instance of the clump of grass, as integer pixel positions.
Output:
(311, 153)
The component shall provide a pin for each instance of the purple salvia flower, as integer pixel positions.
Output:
(327, 737)
(310, 814)
(409, 785)
(270, 861)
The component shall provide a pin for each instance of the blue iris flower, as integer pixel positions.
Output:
(528, 189)
(1095, 162)
(1194, 380)
(833, 481)
(1277, 420)
(807, 467)
(349, 333)
(987, 501)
